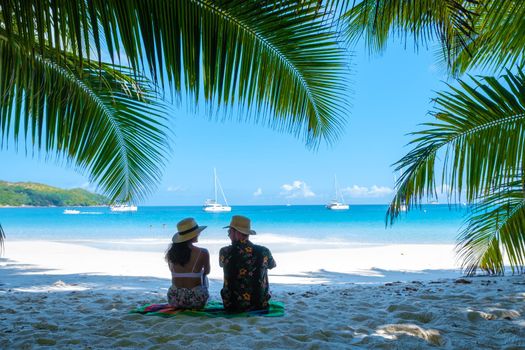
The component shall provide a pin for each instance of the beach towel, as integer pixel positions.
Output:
(212, 309)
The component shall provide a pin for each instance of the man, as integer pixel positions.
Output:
(245, 268)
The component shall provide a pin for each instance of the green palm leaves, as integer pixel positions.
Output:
(495, 42)
(449, 22)
(277, 59)
(100, 118)
(276, 62)
(496, 229)
(481, 130)
(471, 33)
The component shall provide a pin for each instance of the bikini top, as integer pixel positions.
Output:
(199, 274)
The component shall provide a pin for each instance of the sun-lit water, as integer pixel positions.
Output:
(286, 226)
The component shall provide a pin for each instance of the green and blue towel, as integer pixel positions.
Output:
(212, 309)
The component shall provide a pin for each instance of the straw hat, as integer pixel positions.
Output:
(241, 224)
(187, 229)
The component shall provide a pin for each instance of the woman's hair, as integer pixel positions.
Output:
(179, 253)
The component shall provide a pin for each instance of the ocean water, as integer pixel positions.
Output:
(282, 227)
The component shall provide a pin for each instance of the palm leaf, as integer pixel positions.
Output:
(103, 120)
(2, 240)
(496, 43)
(472, 33)
(450, 22)
(480, 128)
(496, 225)
(278, 60)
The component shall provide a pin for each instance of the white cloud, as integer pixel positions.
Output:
(297, 189)
(378, 191)
(174, 189)
(365, 192)
(258, 192)
(355, 191)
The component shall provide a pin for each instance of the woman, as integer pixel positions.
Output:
(189, 266)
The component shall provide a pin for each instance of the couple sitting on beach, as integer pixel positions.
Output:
(245, 268)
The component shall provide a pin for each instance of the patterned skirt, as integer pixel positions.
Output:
(186, 298)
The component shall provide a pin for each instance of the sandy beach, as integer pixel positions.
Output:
(68, 296)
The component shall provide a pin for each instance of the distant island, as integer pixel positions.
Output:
(18, 194)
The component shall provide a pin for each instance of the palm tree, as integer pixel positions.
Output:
(481, 129)
(479, 126)
(83, 79)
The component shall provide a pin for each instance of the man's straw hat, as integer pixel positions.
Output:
(241, 224)
(187, 229)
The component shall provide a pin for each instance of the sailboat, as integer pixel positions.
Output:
(211, 205)
(123, 208)
(338, 203)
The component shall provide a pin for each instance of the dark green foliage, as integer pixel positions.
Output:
(32, 194)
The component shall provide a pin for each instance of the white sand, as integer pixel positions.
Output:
(69, 296)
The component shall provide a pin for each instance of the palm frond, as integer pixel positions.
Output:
(2, 240)
(496, 42)
(495, 226)
(104, 119)
(451, 22)
(472, 33)
(281, 63)
(481, 128)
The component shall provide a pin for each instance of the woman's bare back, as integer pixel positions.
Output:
(199, 260)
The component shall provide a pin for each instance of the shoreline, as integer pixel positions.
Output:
(459, 205)
(51, 206)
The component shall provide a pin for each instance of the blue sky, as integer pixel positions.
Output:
(390, 96)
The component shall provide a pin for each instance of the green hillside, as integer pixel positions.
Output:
(34, 194)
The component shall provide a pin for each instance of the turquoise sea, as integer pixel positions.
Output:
(286, 226)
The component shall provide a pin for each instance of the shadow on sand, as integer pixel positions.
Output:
(25, 277)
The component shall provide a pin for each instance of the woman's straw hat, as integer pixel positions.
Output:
(187, 229)
(241, 224)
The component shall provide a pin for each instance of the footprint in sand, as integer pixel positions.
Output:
(402, 307)
(45, 326)
(423, 317)
(505, 314)
(432, 336)
(46, 341)
(236, 327)
(493, 314)
(473, 316)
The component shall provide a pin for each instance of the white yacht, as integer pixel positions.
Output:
(211, 205)
(335, 205)
(123, 208)
(71, 211)
(338, 203)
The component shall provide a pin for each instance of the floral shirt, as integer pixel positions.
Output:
(245, 276)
